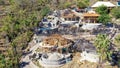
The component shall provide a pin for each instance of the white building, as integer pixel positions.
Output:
(100, 3)
(91, 26)
(53, 60)
(90, 56)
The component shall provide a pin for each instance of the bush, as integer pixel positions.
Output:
(82, 4)
(102, 10)
(116, 12)
(45, 10)
(105, 18)
(117, 41)
(67, 4)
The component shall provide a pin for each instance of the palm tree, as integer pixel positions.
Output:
(117, 40)
(102, 44)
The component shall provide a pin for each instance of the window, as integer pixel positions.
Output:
(73, 19)
(65, 19)
(77, 18)
(69, 19)
(87, 51)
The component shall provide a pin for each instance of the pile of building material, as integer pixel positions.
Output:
(56, 39)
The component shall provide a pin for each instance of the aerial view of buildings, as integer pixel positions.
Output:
(60, 34)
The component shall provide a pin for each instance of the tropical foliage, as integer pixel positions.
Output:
(22, 16)
(83, 3)
(104, 18)
(104, 15)
(102, 10)
(102, 44)
(5, 63)
(117, 41)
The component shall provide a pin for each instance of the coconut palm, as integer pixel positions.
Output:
(102, 44)
(117, 41)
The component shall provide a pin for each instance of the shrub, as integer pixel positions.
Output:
(105, 18)
(116, 12)
(102, 10)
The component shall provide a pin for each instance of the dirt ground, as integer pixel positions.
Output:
(75, 63)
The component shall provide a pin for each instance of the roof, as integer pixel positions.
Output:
(68, 14)
(56, 39)
(99, 3)
(90, 15)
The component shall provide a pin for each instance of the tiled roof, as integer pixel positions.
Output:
(90, 15)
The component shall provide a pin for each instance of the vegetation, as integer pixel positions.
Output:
(102, 10)
(116, 12)
(18, 25)
(104, 18)
(67, 4)
(102, 44)
(5, 63)
(104, 15)
(117, 41)
(82, 3)
(22, 16)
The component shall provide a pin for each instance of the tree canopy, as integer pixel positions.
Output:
(102, 44)
(102, 10)
(22, 16)
(117, 40)
(104, 18)
(83, 3)
(104, 15)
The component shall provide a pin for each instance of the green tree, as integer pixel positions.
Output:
(116, 12)
(5, 63)
(104, 18)
(102, 10)
(102, 44)
(45, 10)
(2, 61)
(117, 40)
(67, 4)
(18, 24)
(82, 3)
